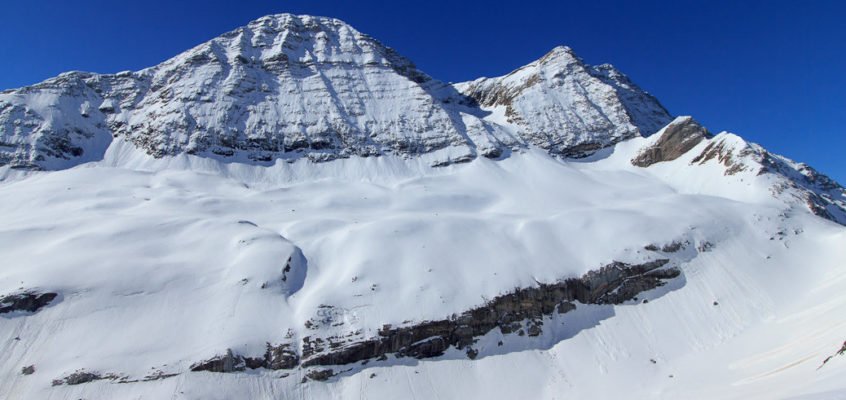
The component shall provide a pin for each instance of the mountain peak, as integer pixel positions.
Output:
(560, 55)
(562, 105)
(287, 39)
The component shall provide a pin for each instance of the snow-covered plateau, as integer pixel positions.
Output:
(293, 210)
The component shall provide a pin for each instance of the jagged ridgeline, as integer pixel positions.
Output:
(290, 87)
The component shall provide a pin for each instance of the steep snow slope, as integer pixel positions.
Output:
(179, 259)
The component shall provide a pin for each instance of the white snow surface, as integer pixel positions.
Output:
(163, 262)
(281, 176)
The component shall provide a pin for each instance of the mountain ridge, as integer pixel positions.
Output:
(286, 86)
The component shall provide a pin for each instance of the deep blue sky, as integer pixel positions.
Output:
(772, 71)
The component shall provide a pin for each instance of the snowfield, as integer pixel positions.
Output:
(293, 210)
(161, 263)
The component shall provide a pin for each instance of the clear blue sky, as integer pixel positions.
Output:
(772, 71)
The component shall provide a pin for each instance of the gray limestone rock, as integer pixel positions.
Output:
(678, 138)
(223, 363)
(612, 284)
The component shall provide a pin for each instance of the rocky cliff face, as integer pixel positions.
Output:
(289, 86)
(795, 184)
(560, 104)
(677, 138)
(28, 301)
(520, 312)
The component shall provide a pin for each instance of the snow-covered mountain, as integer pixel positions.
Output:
(292, 209)
(568, 108)
(684, 146)
(288, 87)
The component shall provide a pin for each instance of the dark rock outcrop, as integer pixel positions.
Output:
(275, 358)
(81, 376)
(723, 153)
(225, 363)
(521, 312)
(678, 138)
(280, 357)
(27, 301)
(673, 247)
(320, 375)
(612, 284)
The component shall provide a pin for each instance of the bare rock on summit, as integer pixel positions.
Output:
(677, 138)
